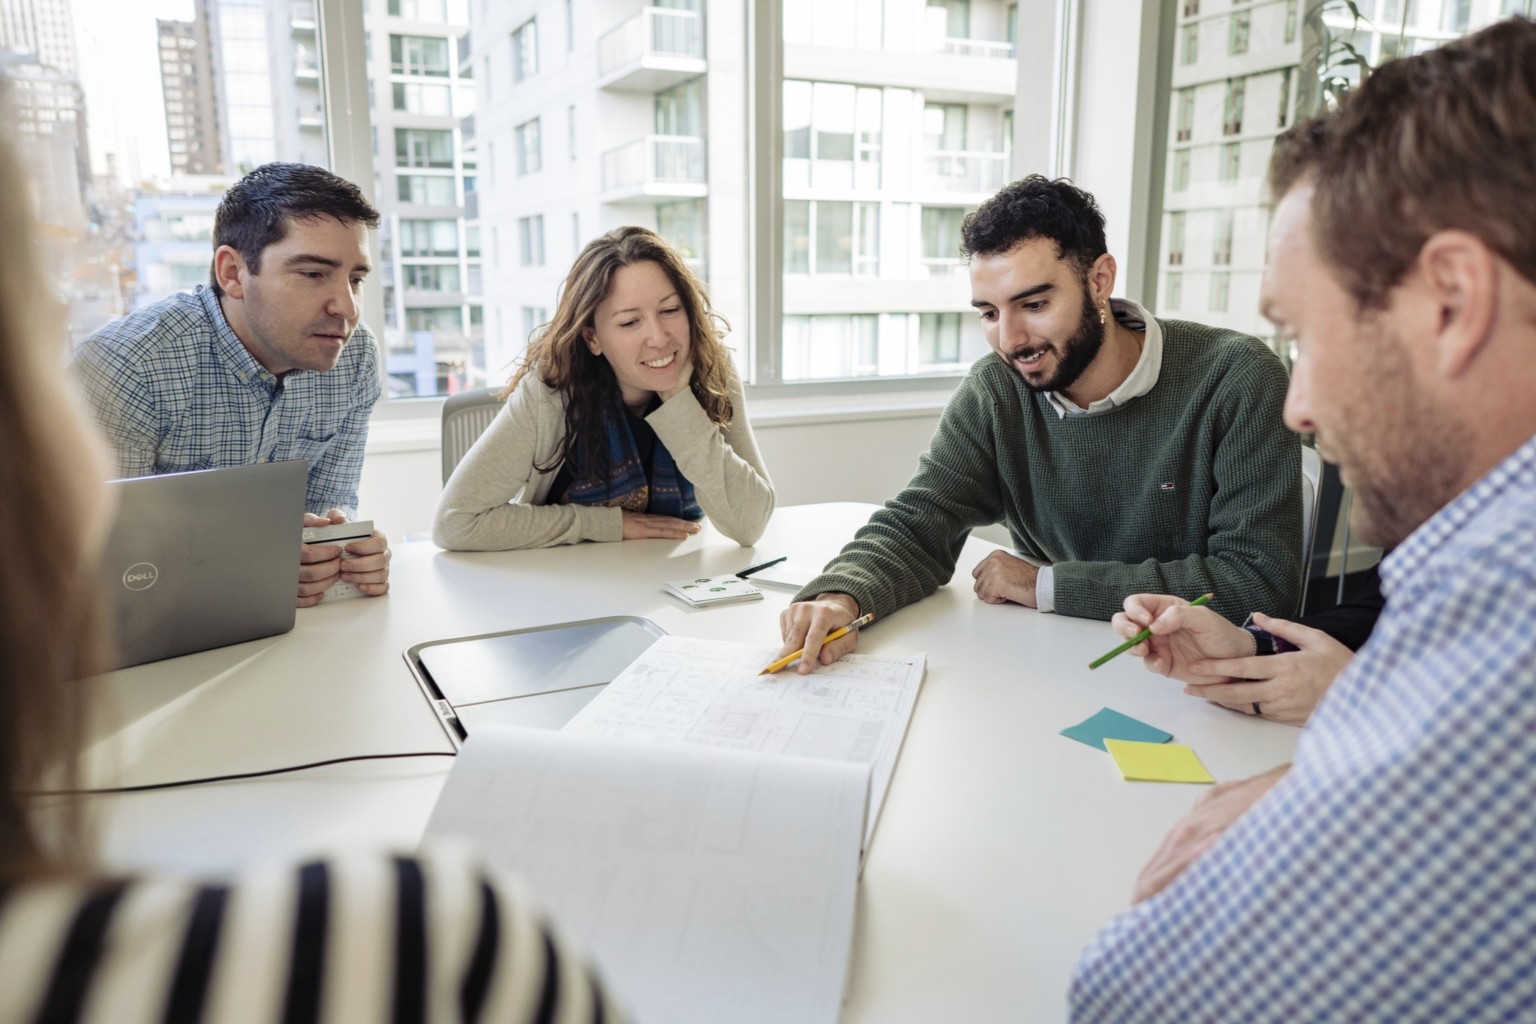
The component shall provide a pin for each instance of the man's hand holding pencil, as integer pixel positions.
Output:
(805, 624)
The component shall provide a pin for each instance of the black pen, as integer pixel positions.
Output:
(749, 570)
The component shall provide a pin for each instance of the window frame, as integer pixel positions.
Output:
(1051, 72)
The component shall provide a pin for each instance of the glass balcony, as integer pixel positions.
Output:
(987, 48)
(660, 166)
(953, 170)
(655, 49)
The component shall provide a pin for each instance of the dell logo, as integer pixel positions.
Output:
(140, 576)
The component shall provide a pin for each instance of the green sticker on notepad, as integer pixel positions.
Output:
(1108, 724)
(1157, 762)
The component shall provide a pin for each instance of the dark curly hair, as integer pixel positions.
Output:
(257, 209)
(559, 355)
(1037, 207)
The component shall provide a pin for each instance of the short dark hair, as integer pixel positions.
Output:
(1037, 207)
(1442, 139)
(257, 209)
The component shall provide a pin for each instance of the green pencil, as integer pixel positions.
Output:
(1143, 635)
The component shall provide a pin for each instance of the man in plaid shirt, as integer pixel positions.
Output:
(1389, 873)
(268, 362)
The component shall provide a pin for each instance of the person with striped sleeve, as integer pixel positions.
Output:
(362, 937)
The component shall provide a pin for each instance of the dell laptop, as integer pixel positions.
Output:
(203, 559)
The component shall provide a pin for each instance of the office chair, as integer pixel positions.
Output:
(465, 417)
(1311, 495)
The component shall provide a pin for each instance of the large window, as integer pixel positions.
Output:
(429, 237)
(419, 55)
(423, 98)
(530, 240)
(832, 135)
(525, 50)
(424, 147)
(432, 277)
(425, 189)
(879, 163)
(530, 156)
(827, 237)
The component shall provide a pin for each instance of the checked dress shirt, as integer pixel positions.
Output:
(1391, 875)
(174, 390)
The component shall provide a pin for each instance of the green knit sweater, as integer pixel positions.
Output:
(1193, 487)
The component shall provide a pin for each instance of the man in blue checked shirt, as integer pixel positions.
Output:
(1389, 873)
(268, 362)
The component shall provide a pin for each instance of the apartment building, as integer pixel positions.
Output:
(1242, 73)
(896, 121)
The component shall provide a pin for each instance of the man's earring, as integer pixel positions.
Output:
(1103, 316)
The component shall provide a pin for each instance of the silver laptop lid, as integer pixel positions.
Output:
(204, 559)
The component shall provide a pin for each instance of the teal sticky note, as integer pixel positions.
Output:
(1107, 724)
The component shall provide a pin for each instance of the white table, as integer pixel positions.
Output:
(1002, 848)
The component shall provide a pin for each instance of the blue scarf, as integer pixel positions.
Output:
(664, 491)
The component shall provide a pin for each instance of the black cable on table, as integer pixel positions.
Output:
(238, 775)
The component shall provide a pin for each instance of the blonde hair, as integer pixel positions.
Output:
(48, 639)
(559, 355)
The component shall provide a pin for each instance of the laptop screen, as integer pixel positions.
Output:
(204, 559)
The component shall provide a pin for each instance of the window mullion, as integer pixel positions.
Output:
(765, 199)
(339, 40)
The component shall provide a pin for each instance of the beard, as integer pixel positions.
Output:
(1076, 354)
(1403, 454)
(1390, 502)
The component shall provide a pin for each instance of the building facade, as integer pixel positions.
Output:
(897, 120)
(1242, 73)
(191, 97)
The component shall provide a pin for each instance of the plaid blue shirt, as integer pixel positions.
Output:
(1391, 875)
(174, 390)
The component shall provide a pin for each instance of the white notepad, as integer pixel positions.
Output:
(708, 692)
(709, 885)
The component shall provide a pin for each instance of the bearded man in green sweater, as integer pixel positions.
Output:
(1125, 453)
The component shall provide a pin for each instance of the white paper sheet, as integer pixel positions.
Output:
(708, 692)
(709, 885)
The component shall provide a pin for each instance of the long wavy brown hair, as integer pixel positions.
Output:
(48, 639)
(558, 352)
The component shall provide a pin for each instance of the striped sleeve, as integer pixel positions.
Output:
(404, 940)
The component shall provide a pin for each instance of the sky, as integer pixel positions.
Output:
(120, 71)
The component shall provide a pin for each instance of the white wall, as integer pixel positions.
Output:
(810, 461)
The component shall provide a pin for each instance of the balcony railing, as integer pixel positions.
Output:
(942, 266)
(655, 31)
(663, 165)
(306, 62)
(989, 48)
(955, 170)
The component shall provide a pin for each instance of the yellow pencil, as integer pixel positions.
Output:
(790, 659)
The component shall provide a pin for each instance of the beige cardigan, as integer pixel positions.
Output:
(495, 499)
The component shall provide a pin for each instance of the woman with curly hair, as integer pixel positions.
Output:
(624, 421)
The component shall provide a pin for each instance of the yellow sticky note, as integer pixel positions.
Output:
(1157, 762)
